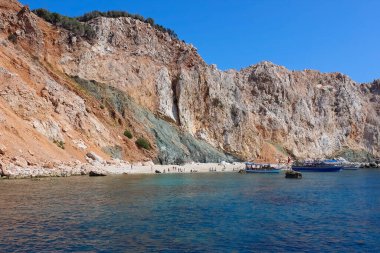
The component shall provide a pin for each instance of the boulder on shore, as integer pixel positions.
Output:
(3, 149)
(3, 171)
(94, 157)
(97, 174)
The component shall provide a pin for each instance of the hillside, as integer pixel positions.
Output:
(62, 96)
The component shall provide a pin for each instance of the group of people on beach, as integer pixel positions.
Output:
(173, 170)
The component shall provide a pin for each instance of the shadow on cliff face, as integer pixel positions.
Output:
(174, 146)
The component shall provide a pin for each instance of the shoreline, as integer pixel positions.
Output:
(114, 167)
(187, 168)
(109, 168)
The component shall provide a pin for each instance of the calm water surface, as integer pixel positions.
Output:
(323, 212)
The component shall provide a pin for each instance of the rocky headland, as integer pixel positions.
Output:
(63, 96)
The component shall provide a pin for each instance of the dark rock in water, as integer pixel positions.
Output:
(372, 165)
(157, 172)
(96, 174)
(293, 174)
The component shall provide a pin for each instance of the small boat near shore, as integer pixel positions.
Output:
(293, 174)
(316, 167)
(259, 168)
(342, 162)
(350, 167)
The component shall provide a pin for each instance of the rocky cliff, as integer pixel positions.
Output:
(62, 96)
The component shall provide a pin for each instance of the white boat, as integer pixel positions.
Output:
(260, 168)
(346, 165)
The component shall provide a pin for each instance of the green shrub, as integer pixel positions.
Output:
(117, 14)
(70, 24)
(12, 38)
(128, 134)
(143, 143)
(77, 25)
(60, 144)
(217, 103)
(150, 21)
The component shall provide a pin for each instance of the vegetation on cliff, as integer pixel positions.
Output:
(128, 134)
(79, 27)
(12, 38)
(143, 143)
(68, 23)
(59, 144)
(117, 14)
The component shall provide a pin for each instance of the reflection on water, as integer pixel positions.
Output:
(205, 212)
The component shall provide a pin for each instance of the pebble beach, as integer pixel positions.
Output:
(114, 167)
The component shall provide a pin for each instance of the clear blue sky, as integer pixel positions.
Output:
(327, 35)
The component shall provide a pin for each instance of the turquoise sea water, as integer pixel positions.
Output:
(323, 212)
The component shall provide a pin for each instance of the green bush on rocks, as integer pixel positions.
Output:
(128, 134)
(80, 28)
(60, 144)
(117, 14)
(13, 38)
(143, 143)
(70, 24)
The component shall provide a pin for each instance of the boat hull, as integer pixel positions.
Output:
(317, 169)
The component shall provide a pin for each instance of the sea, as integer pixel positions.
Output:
(211, 212)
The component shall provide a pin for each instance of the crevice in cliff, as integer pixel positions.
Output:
(173, 146)
(175, 89)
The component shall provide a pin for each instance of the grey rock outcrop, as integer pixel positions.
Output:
(261, 111)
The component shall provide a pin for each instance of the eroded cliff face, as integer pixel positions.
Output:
(58, 87)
